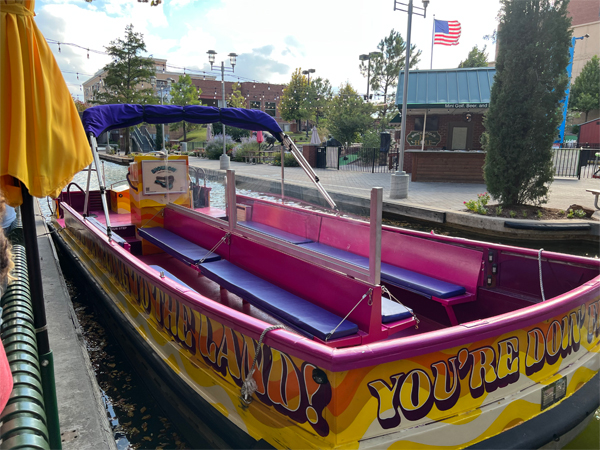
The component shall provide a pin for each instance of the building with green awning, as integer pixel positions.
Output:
(450, 103)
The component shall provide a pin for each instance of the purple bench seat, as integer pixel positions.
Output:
(397, 276)
(177, 246)
(275, 232)
(285, 306)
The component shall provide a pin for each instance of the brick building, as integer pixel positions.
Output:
(263, 96)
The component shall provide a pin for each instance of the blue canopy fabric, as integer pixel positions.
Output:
(101, 118)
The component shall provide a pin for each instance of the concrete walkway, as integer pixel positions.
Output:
(83, 419)
(444, 196)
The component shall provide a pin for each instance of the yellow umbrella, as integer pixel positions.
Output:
(42, 141)
(42, 145)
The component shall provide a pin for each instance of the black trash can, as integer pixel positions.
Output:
(321, 158)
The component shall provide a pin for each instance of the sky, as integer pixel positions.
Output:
(271, 37)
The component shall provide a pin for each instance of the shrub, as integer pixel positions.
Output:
(539, 214)
(498, 210)
(512, 214)
(580, 213)
(371, 139)
(289, 160)
(214, 149)
(479, 205)
(248, 145)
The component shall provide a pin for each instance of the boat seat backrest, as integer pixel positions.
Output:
(447, 263)
(289, 220)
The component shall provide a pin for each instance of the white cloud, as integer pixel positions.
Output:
(271, 37)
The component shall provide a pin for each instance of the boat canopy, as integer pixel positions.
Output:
(101, 118)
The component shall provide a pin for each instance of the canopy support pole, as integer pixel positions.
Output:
(309, 170)
(375, 235)
(87, 191)
(231, 199)
(94, 146)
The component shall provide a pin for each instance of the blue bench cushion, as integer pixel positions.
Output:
(177, 246)
(416, 282)
(275, 232)
(282, 304)
(102, 227)
(392, 311)
(171, 276)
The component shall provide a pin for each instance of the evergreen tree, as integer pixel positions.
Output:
(184, 93)
(475, 58)
(349, 116)
(386, 65)
(128, 74)
(294, 100)
(585, 93)
(524, 112)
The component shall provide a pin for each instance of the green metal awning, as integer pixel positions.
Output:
(448, 88)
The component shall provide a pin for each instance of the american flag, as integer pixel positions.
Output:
(447, 32)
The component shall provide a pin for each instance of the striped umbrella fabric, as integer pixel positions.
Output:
(447, 32)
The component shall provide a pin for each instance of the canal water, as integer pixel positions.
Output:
(137, 420)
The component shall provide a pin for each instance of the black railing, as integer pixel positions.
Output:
(362, 159)
(576, 162)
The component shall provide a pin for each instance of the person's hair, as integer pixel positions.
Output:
(6, 259)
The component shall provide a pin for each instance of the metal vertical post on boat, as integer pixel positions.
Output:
(231, 200)
(375, 235)
(282, 172)
(94, 146)
(87, 190)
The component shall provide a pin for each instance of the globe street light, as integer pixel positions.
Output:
(399, 182)
(162, 86)
(308, 72)
(368, 58)
(224, 159)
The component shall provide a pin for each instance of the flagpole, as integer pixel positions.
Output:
(430, 67)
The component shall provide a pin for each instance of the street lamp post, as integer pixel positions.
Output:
(162, 85)
(308, 72)
(399, 182)
(368, 58)
(224, 159)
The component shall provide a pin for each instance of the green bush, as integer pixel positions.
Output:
(240, 151)
(214, 148)
(289, 160)
(371, 139)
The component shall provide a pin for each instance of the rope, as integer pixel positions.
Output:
(540, 267)
(370, 294)
(417, 321)
(223, 239)
(249, 385)
(157, 213)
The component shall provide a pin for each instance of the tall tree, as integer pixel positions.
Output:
(320, 95)
(585, 93)
(349, 115)
(385, 69)
(236, 99)
(524, 112)
(128, 74)
(294, 100)
(475, 58)
(183, 93)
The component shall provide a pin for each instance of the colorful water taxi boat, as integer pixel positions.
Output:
(272, 325)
